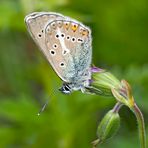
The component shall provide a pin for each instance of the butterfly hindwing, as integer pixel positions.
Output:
(69, 46)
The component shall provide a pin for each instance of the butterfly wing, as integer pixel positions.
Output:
(69, 48)
(36, 24)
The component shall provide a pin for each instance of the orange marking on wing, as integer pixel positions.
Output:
(74, 27)
(85, 32)
(66, 25)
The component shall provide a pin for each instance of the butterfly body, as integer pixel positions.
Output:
(66, 43)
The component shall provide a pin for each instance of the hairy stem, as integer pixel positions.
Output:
(141, 126)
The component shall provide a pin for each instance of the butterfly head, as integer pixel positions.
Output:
(66, 88)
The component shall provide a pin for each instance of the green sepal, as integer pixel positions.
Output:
(108, 126)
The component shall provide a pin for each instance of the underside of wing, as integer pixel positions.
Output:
(69, 47)
(36, 23)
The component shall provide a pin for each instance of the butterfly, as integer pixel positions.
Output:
(67, 45)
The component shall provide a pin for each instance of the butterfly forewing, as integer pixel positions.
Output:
(36, 23)
(69, 47)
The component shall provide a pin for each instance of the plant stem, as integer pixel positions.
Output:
(141, 126)
(117, 107)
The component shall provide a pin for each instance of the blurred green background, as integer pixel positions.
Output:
(120, 44)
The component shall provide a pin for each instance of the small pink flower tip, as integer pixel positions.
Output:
(96, 69)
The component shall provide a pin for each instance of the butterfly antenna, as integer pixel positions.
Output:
(43, 107)
(46, 103)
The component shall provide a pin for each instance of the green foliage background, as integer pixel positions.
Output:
(120, 44)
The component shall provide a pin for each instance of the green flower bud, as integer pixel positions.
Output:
(108, 126)
(102, 82)
(124, 94)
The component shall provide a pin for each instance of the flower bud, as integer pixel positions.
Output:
(102, 82)
(108, 126)
(124, 94)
